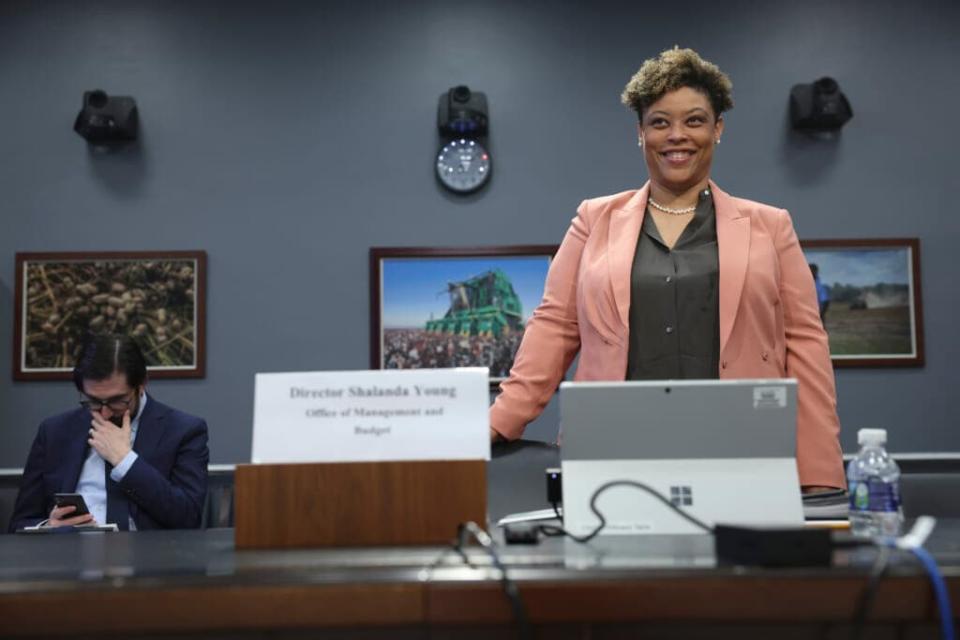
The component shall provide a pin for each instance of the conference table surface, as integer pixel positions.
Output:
(196, 581)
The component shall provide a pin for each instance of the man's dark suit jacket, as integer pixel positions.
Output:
(165, 488)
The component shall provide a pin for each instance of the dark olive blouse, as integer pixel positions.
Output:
(674, 301)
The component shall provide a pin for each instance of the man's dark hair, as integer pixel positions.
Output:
(103, 355)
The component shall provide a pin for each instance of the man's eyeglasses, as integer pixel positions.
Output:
(117, 405)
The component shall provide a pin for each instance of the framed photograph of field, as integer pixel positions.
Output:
(869, 297)
(453, 307)
(155, 296)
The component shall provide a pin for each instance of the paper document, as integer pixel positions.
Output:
(529, 516)
(83, 528)
(829, 505)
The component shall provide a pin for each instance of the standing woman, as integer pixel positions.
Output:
(679, 280)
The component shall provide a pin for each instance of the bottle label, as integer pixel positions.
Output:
(873, 494)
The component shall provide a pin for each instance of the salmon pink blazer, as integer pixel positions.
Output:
(769, 319)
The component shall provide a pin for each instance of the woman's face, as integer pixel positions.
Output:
(679, 132)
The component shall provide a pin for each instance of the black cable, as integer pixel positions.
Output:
(550, 530)
(556, 510)
(554, 531)
(510, 590)
(869, 594)
(426, 575)
(509, 586)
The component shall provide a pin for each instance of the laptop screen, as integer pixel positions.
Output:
(678, 419)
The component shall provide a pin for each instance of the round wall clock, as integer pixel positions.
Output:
(463, 165)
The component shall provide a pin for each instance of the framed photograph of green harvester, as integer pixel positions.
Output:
(155, 296)
(434, 307)
(869, 297)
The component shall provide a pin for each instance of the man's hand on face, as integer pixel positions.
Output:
(60, 517)
(111, 442)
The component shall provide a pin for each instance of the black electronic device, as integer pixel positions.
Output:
(462, 112)
(522, 533)
(106, 119)
(463, 161)
(554, 485)
(819, 106)
(801, 547)
(71, 499)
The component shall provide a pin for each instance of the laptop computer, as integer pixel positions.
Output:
(722, 450)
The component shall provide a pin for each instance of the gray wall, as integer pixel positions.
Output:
(286, 138)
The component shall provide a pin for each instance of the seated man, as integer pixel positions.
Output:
(137, 463)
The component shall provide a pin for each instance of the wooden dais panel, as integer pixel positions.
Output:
(357, 504)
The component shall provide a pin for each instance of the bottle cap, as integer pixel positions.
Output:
(871, 436)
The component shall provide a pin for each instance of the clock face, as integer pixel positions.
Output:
(463, 165)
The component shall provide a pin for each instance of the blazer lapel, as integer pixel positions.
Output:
(150, 429)
(76, 451)
(733, 246)
(624, 230)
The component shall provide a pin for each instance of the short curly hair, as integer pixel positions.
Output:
(674, 69)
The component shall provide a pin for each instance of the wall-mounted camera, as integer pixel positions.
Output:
(819, 106)
(106, 118)
(462, 112)
(463, 162)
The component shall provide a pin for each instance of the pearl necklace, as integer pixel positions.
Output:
(671, 210)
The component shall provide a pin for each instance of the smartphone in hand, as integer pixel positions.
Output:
(75, 499)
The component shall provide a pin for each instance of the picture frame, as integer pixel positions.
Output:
(437, 307)
(869, 292)
(159, 297)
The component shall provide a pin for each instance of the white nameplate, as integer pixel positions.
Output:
(354, 416)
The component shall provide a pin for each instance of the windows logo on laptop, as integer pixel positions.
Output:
(681, 496)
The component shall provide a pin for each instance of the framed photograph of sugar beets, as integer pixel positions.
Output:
(434, 307)
(869, 297)
(155, 296)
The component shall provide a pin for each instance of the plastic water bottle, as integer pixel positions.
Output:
(873, 480)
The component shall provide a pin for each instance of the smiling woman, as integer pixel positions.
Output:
(679, 280)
